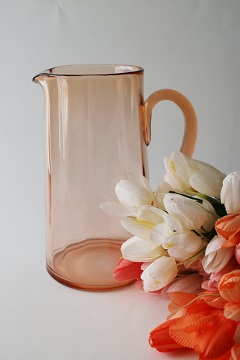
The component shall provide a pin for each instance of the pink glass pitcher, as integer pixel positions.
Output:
(97, 129)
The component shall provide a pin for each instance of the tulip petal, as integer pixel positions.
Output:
(159, 273)
(160, 233)
(201, 165)
(175, 224)
(136, 228)
(209, 224)
(151, 214)
(237, 253)
(134, 191)
(229, 286)
(210, 335)
(230, 193)
(215, 244)
(188, 241)
(127, 270)
(179, 168)
(180, 299)
(217, 260)
(208, 259)
(207, 181)
(237, 336)
(232, 311)
(188, 211)
(215, 302)
(139, 250)
(188, 283)
(234, 239)
(235, 352)
(161, 340)
(179, 254)
(217, 339)
(179, 330)
(228, 227)
(162, 189)
(216, 256)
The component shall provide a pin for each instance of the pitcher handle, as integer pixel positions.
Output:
(191, 125)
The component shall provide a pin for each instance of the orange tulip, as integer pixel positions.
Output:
(235, 352)
(127, 270)
(237, 253)
(207, 332)
(225, 356)
(228, 227)
(161, 340)
(229, 286)
(199, 325)
(232, 311)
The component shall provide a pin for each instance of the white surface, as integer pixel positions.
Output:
(189, 45)
(43, 319)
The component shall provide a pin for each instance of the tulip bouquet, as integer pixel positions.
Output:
(186, 244)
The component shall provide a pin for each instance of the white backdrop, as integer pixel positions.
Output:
(190, 45)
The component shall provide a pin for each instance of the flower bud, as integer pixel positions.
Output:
(230, 193)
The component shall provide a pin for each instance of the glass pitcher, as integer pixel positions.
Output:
(97, 129)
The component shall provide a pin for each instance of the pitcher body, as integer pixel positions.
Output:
(96, 131)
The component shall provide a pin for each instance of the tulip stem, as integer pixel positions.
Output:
(187, 196)
(193, 300)
(216, 203)
(194, 257)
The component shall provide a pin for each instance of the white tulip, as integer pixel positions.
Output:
(212, 216)
(179, 168)
(162, 189)
(139, 250)
(137, 228)
(183, 246)
(230, 193)
(189, 212)
(160, 233)
(175, 224)
(183, 173)
(151, 214)
(147, 217)
(159, 273)
(207, 181)
(216, 256)
(133, 191)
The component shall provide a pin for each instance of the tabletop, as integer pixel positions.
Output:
(43, 319)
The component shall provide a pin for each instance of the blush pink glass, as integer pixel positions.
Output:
(97, 129)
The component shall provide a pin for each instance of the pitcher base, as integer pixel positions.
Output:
(88, 265)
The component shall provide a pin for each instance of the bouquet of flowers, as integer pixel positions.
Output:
(186, 243)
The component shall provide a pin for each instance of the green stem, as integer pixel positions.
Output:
(187, 196)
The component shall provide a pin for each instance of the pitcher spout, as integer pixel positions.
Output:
(39, 78)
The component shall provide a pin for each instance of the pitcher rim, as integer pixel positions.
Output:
(91, 70)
